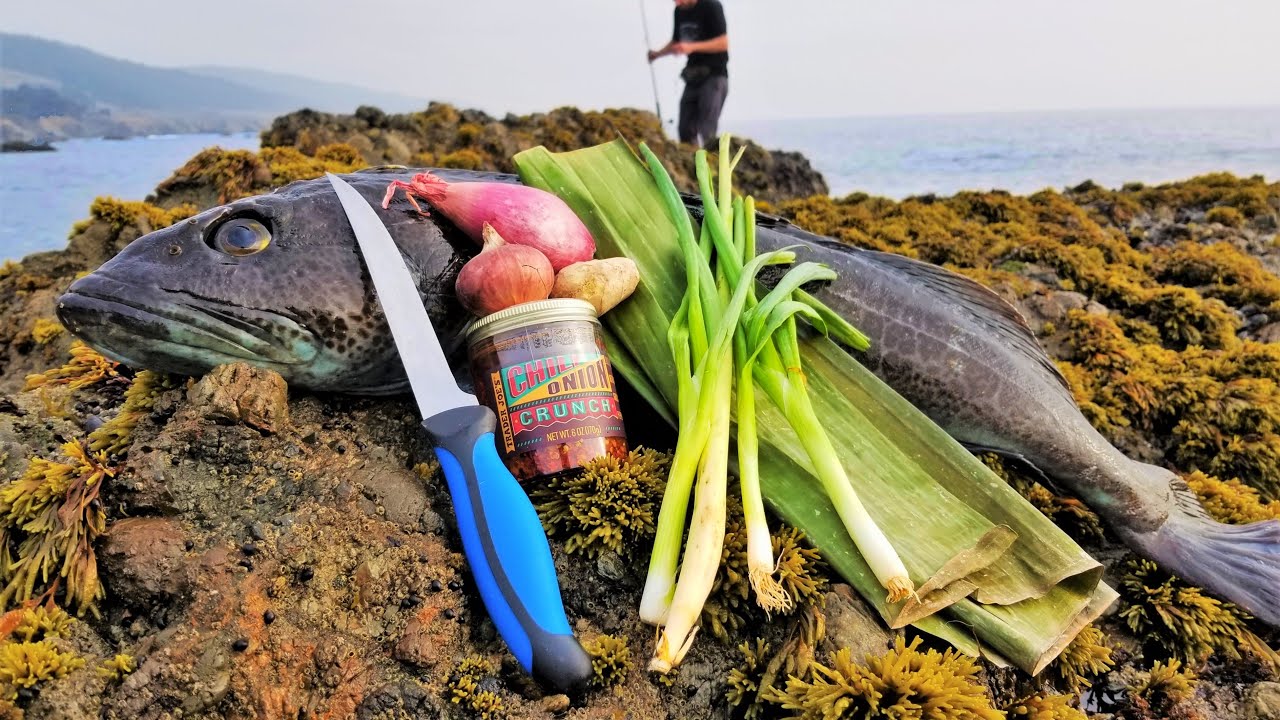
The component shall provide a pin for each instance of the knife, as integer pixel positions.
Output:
(501, 534)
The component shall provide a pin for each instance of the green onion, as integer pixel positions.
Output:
(713, 380)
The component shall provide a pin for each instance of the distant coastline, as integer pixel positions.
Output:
(21, 146)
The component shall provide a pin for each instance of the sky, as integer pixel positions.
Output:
(798, 58)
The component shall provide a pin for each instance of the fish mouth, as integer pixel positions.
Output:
(174, 331)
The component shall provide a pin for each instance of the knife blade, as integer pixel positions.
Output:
(502, 536)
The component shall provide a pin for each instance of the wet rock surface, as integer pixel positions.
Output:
(241, 393)
(1263, 702)
(145, 561)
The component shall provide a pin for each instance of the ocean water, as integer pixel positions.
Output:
(43, 193)
(1025, 152)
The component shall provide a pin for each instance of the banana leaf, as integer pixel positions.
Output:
(995, 576)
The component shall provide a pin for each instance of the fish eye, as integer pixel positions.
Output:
(241, 236)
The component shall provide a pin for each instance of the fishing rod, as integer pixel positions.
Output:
(653, 77)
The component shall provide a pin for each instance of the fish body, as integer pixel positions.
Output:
(303, 305)
(968, 360)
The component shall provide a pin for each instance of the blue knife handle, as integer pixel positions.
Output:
(507, 549)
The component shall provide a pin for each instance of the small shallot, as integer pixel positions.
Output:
(503, 275)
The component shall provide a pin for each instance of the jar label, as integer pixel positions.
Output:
(556, 399)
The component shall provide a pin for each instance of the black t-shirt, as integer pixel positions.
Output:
(703, 21)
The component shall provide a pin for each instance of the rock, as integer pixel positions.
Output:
(851, 624)
(1262, 702)
(148, 487)
(241, 393)
(1053, 306)
(212, 673)
(446, 136)
(397, 491)
(554, 703)
(145, 560)
(1268, 333)
(419, 644)
(405, 699)
(77, 697)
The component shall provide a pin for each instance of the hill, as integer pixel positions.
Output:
(53, 90)
(309, 92)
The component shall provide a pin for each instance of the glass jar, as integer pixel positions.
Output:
(543, 370)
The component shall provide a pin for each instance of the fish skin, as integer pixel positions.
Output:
(305, 308)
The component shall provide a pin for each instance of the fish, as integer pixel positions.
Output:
(276, 281)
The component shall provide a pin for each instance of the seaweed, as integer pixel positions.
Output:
(1220, 270)
(216, 176)
(117, 668)
(114, 436)
(465, 691)
(50, 519)
(40, 622)
(610, 505)
(1159, 693)
(25, 664)
(752, 682)
(747, 680)
(730, 607)
(1214, 411)
(801, 571)
(86, 368)
(1088, 655)
(1225, 215)
(1181, 622)
(902, 683)
(289, 165)
(1231, 501)
(610, 660)
(464, 159)
(121, 214)
(1044, 707)
(46, 330)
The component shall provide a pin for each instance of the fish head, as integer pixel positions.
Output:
(274, 280)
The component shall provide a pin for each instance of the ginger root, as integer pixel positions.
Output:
(603, 283)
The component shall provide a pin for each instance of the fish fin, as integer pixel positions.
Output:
(1240, 563)
(1185, 499)
(981, 303)
(1023, 464)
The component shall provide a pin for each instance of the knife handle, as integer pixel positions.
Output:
(507, 549)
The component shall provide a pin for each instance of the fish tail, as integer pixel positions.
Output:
(1240, 563)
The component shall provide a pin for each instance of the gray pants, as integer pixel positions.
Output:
(700, 109)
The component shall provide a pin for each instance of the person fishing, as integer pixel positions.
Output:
(700, 33)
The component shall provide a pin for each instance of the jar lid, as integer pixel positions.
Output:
(532, 313)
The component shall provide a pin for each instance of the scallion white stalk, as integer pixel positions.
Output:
(701, 560)
(783, 379)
